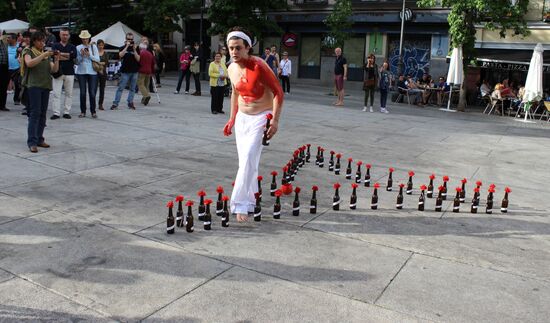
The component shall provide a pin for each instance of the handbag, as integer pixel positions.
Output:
(96, 66)
(368, 84)
(195, 67)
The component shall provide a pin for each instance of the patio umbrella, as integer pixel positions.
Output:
(455, 74)
(14, 25)
(533, 84)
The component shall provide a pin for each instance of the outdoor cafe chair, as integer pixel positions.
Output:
(495, 103)
(546, 112)
(402, 92)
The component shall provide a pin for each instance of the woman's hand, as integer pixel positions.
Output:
(273, 127)
(228, 127)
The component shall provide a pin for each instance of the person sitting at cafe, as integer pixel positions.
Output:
(506, 90)
(485, 88)
(414, 90)
(426, 84)
(443, 89)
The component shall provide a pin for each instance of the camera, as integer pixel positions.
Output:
(48, 49)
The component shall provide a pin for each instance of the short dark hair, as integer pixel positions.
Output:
(26, 34)
(267, 48)
(64, 29)
(217, 53)
(37, 35)
(12, 35)
(100, 41)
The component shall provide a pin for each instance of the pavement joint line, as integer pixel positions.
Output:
(442, 140)
(315, 217)
(446, 210)
(188, 292)
(140, 230)
(53, 291)
(475, 173)
(25, 217)
(33, 181)
(394, 276)
(489, 153)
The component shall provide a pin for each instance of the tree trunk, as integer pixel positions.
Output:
(462, 99)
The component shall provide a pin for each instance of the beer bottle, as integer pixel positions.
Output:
(207, 216)
(308, 153)
(302, 156)
(170, 222)
(260, 179)
(390, 180)
(219, 202)
(313, 202)
(331, 161)
(277, 206)
(422, 198)
(336, 198)
(489, 207)
(367, 175)
(189, 225)
(439, 200)
(374, 199)
(317, 158)
(475, 200)
(353, 199)
(463, 191)
(444, 192)
(265, 140)
(430, 191)
(337, 166)
(504, 205)
(273, 187)
(289, 172)
(410, 183)
(202, 208)
(322, 158)
(456, 202)
(179, 214)
(284, 178)
(296, 203)
(225, 214)
(358, 172)
(399, 203)
(348, 169)
(257, 208)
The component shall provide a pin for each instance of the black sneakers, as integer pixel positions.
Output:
(66, 116)
(54, 117)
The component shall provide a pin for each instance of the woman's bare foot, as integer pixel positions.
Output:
(242, 217)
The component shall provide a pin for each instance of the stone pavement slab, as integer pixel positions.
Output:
(22, 301)
(20, 171)
(346, 267)
(445, 291)
(109, 271)
(14, 208)
(240, 295)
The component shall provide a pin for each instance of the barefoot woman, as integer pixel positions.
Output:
(256, 93)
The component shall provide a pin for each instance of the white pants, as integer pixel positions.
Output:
(66, 81)
(249, 130)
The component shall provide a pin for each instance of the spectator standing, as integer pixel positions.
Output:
(50, 38)
(340, 75)
(102, 77)
(370, 79)
(25, 41)
(160, 60)
(146, 70)
(14, 67)
(87, 76)
(37, 69)
(276, 61)
(384, 86)
(285, 70)
(4, 74)
(269, 58)
(195, 68)
(129, 71)
(218, 80)
(64, 78)
(185, 63)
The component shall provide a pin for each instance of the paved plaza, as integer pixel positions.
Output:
(83, 223)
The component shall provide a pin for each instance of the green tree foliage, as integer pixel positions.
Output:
(160, 16)
(464, 15)
(97, 15)
(39, 13)
(339, 23)
(13, 9)
(250, 14)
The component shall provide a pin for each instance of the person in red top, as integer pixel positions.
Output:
(185, 61)
(146, 70)
(257, 95)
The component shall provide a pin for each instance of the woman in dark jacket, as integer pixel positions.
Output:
(370, 79)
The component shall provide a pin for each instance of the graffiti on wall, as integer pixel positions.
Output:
(416, 57)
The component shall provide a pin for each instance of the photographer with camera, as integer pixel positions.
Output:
(64, 78)
(37, 66)
(87, 76)
(129, 71)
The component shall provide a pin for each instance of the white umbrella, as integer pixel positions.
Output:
(115, 35)
(455, 74)
(14, 25)
(533, 84)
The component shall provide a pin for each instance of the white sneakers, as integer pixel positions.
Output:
(383, 110)
(365, 109)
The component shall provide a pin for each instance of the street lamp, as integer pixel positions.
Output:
(400, 65)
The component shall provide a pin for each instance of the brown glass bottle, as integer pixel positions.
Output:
(313, 202)
(225, 214)
(367, 176)
(189, 224)
(170, 221)
(399, 203)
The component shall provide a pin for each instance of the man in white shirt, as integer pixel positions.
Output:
(285, 70)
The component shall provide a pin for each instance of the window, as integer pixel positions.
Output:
(311, 51)
(354, 51)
